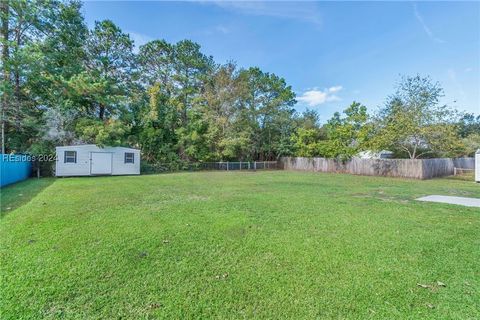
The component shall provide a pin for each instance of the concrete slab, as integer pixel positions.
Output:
(462, 201)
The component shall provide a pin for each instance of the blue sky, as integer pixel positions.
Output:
(331, 53)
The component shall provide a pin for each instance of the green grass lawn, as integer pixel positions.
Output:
(231, 245)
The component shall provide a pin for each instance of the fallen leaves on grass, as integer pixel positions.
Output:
(222, 276)
(155, 305)
(433, 287)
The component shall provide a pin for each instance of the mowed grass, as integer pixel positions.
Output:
(230, 245)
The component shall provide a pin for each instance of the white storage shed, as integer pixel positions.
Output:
(477, 166)
(91, 160)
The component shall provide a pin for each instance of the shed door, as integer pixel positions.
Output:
(101, 163)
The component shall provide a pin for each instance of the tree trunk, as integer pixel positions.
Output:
(101, 113)
(4, 12)
(17, 83)
(414, 154)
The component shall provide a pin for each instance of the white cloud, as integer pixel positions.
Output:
(215, 30)
(316, 97)
(335, 89)
(139, 39)
(222, 29)
(307, 11)
(427, 30)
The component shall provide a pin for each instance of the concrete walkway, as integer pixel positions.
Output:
(469, 202)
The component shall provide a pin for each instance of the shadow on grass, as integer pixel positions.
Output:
(18, 194)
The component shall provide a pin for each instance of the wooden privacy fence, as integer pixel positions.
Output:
(444, 166)
(404, 168)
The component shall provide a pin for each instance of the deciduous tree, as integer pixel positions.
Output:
(414, 123)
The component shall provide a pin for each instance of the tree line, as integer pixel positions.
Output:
(412, 124)
(65, 84)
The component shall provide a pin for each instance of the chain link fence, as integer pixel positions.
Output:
(151, 168)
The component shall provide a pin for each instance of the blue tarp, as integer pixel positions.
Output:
(14, 168)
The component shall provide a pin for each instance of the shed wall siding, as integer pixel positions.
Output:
(119, 165)
(82, 167)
